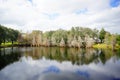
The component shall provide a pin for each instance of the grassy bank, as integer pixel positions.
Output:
(105, 46)
(99, 46)
(8, 44)
(15, 44)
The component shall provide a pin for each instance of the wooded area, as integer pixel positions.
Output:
(75, 37)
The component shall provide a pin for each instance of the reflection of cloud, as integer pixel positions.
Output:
(110, 68)
(42, 69)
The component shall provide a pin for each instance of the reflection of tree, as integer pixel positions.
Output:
(65, 53)
(106, 55)
(90, 55)
(75, 55)
(82, 57)
(7, 58)
(102, 57)
(118, 53)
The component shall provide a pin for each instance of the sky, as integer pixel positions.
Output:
(45, 15)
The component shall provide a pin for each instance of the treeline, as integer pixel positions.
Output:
(75, 37)
(8, 34)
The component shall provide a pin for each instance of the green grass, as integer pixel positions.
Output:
(105, 46)
(7, 44)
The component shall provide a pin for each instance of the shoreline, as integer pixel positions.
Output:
(95, 46)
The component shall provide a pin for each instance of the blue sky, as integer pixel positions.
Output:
(114, 3)
(27, 15)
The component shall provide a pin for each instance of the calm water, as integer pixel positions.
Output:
(42, 63)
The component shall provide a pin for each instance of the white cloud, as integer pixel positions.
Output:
(53, 14)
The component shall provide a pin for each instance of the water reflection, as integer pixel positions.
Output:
(44, 69)
(76, 56)
(7, 56)
(53, 63)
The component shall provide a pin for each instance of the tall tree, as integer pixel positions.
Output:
(102, 34)
(80, 41)
(8, 34)
(1, 34)
(113, 41)
(62, 43)
(118, 39)
(53, 41)
(107, 39)
(13, 35)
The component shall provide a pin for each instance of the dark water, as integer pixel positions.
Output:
(42, 63)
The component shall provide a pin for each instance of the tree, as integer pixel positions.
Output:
(59, 34)
(110, 40)
(53, 41)
(118, 39)
(5, 34)
(107, 39)
(113, 41)
(46, 42)
(20, 38)
(74, 42)
(8, 34)
(36, 38)
(13, 35)
(1, 34)
(69, 40)
(62, 43)
(80, 41)
(48, 34)
(89, 41)
(102, 34)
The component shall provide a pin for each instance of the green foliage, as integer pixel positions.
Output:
(118, 39)
(107, 39)
(82, 31)
(59, 34)
(75, 37)
(102, 34)
(48, 34)
(110, 39)
(8, 34)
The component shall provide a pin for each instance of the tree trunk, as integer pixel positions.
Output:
(12, 42)
(4, 41)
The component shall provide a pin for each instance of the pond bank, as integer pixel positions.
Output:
(105, 46)
(14, 45)
(99, 46)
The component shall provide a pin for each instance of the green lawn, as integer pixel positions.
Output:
(105, 46)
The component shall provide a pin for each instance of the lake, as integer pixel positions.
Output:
(54, 63)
